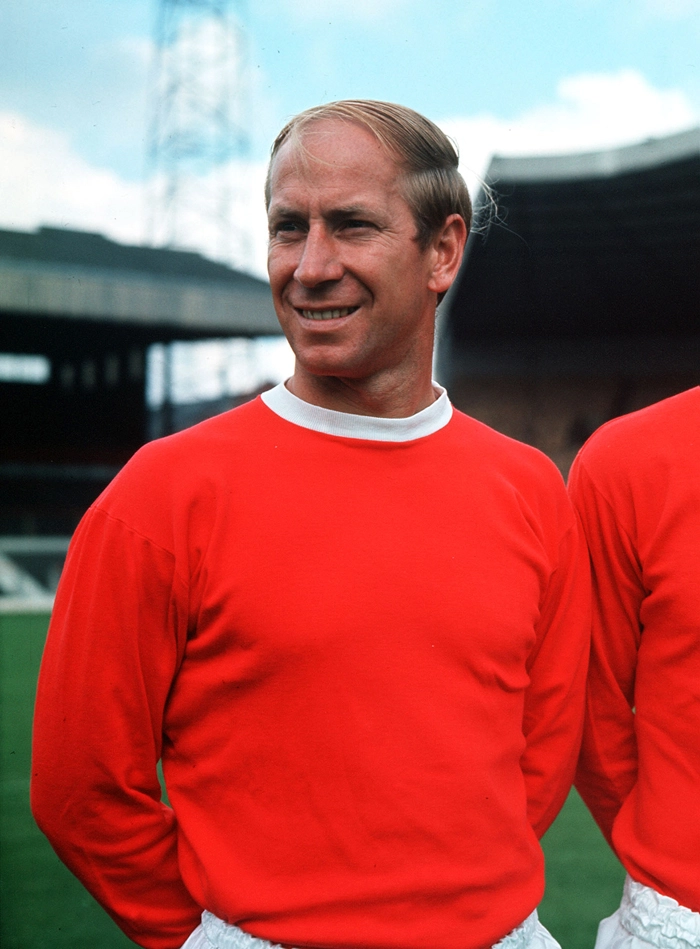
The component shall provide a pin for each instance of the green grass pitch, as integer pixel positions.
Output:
(43, 905)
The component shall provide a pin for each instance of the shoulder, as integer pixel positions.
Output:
(196, 444)
(184, 469)
(194, 449)
(504, 455)
(509, 475)
(638, 465)
(660, 434)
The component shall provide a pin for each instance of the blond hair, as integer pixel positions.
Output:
(431, 183)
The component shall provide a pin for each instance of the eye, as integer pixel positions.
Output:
(354, 224)
(288, 228)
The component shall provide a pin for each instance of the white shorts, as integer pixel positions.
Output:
(648, 920)
(216, 934)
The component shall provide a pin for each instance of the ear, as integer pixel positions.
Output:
(447, 249)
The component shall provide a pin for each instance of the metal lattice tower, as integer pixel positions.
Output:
(198, 127)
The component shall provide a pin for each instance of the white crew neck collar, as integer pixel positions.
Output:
(293, 409)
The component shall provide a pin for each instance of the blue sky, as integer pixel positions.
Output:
(498, 75)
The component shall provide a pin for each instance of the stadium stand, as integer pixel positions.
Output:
(578, 298)
(77, 315)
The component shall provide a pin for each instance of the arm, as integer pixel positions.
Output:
(608, 765)
(554, 700)
(114, 646)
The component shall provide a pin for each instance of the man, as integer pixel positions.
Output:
(636, 484)
(350, 621)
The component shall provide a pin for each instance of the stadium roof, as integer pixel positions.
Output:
(57, 272)
(592, 263)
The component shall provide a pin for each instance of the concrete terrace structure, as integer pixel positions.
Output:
(87, 308)
(580, 300)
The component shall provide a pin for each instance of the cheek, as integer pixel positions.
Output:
(280, 268)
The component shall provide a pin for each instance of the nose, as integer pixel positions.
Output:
(319, 261)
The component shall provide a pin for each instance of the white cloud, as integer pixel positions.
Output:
(45, 181)
(590, 112)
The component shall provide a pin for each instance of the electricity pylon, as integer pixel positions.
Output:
(198, 137)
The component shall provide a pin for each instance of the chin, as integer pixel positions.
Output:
(328, 364)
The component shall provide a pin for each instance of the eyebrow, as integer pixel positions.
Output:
(282, 214)
(334, 216)
(351, 210)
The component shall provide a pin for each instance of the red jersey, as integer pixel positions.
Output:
(636, 484)
(361, 660)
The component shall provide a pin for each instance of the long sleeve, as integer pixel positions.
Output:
(608, 765)
(364, 658)
(115, 642)
(553, 716)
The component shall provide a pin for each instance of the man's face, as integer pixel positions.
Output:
(350, 284)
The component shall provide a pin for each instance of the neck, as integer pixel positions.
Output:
(378, 397)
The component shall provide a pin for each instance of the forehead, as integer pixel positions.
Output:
(333, 157)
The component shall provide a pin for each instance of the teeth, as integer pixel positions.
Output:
(328, 314)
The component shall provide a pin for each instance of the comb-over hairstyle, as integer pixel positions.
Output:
(431, 183)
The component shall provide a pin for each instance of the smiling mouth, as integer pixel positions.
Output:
(328, 314)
